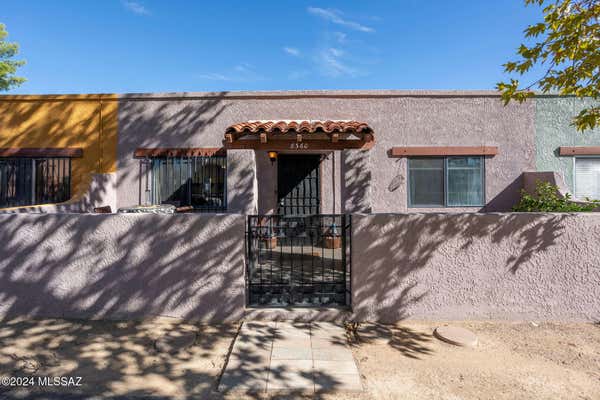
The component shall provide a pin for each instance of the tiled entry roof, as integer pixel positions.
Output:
(300, 127)
(299, 135)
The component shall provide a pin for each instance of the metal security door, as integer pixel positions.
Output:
(298, 184)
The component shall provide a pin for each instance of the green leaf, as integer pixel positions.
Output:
(569, 50)
(8, 67)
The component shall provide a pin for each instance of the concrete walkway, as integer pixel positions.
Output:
(287, 356)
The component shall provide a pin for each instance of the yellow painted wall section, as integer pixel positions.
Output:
(86, 121)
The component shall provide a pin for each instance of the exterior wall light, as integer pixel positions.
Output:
(273, 156)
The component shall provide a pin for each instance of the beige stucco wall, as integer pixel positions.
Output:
(420, 266)
(122, 266)
(398, 118)
(476, 266)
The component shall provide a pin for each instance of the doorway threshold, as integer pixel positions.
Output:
(298, 313)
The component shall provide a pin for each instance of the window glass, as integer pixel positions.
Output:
(426, 182)
(587, 178)
(446, 182)
(465, 181)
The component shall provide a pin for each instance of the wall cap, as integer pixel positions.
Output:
(408, 151)
(71, 152)
(579, 150)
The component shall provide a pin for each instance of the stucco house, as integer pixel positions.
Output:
(297, 164)
(370, 151)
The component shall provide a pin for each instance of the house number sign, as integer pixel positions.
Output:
(298, 146)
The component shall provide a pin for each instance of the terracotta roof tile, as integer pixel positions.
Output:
(300, 127)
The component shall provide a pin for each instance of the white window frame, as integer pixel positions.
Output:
(574, 174)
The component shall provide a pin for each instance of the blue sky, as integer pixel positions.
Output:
(121, 46)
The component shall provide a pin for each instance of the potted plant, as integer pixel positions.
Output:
(267, 235)
(332, 238)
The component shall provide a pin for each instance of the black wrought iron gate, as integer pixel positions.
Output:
(299, 260)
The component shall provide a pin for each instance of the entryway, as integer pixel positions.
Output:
(298, 256)
(299, 184)
(299, 260)
(290, 356)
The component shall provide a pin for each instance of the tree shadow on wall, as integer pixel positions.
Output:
(356, 181)
(55, 122)
(87, 122)
(120, 266)
(124, 267)
(401, 257)
(146, 122)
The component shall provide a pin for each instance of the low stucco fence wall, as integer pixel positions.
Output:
(420, 266)
(476, 266)
(122, 266)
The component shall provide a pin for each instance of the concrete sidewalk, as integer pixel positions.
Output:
(287, 356)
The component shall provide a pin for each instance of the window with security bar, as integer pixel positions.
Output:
(32, 181)
(199, 182)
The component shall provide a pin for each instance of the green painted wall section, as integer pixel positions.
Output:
(554, 129)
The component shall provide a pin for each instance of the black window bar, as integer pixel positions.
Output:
(196, 181)
(32, 181)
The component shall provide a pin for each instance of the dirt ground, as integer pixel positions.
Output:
(512, 360)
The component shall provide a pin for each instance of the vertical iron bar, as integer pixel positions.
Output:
(224, 189)
(301, 282)
(260, 259)
(4, 182)
(195, 178)
(62, 179)
(323, 255)
(187, 184)
(281, 263)
(44, 181)
(348, 264)
(69, 179)
(180, 184)
(53, 183)
(3, 201)
(18, 182)
(343, 233)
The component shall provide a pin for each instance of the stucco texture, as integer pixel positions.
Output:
(476, 266)
(191, 266)
(554, 116)
(398, 119)
(122, 266)
(86, 121)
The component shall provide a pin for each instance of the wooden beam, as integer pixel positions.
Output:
(71, 152)
(281, 145)
(335, 137)
(579, 151)
(234, 135)
(178, 152)
(299, 138)
(444, 151)
(263, 138)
